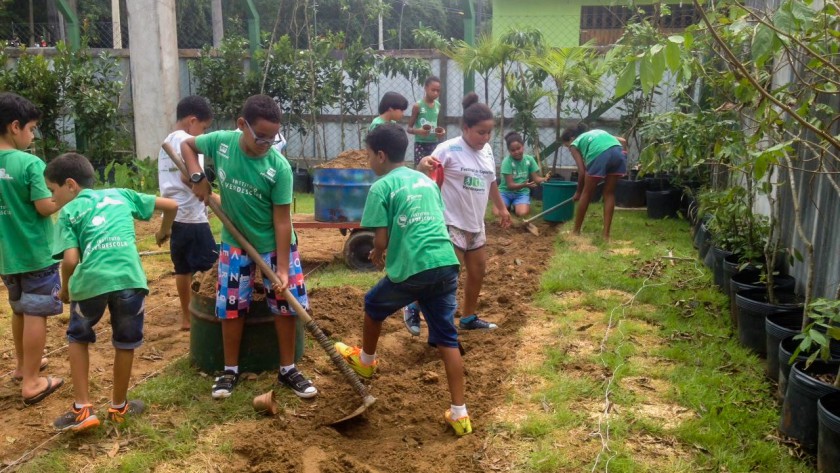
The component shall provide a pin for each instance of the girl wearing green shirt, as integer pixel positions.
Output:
(520, 173)
(424, 115)
(599, 156)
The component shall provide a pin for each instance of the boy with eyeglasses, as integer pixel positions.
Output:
(255, 185)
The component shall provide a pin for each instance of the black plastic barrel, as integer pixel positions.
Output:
(663, 204)
(799, 411)
(753, 306)
(630, 194)
(778, 327)
(828, 433)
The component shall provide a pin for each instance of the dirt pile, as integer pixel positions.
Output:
(349, 159)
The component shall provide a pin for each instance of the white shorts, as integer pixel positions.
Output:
(466, 241)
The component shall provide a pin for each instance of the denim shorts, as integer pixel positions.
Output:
(35, 292)
(610, 162)
(434, 291)
(127, 308)
(236, 283)
(515, 198)
(192, 247)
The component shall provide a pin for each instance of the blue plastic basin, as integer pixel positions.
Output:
(340, 194)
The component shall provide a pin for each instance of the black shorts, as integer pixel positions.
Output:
(192, 247)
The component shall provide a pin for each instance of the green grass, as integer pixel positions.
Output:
(707, 370)
(179, 394)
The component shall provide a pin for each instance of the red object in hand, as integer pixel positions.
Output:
(437, 173)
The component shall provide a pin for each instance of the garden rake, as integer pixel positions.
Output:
(349, 375)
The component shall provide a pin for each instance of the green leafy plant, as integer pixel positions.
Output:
(823, 328)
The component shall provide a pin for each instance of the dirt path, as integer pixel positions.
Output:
(403, 432)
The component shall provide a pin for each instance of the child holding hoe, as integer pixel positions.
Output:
(255, 183)
(406, 210)
(26, 264)
(193, 247)
(100, 268)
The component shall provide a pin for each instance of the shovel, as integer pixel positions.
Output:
(349, 375)
(533, 228)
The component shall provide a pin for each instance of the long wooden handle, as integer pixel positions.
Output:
(266, 270)
(553, 207)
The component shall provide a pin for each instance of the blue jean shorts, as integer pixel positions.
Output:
(434, 291)
(35, 292)
(515, 198)
(127, 308)
(609, 163)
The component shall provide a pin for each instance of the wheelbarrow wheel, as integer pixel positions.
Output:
(357, 249)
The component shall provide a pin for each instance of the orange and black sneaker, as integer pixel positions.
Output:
(77, 420)
(133, 407)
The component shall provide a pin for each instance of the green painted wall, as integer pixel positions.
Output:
(559, 20)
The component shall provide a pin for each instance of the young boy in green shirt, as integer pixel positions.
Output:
(392, 107)
(406, 211)
(100, 268)
(26, 264)
(255, 183)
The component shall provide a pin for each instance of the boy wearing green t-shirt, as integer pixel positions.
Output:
(255, 185)
(100, 268)
(406, 211)
(26, 265)
(423, 123)
(392, 107)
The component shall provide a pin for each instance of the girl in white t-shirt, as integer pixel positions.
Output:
(469, 172)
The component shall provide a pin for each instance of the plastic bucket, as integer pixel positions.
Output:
(828, 433)
(340, 194)
(259, 350)
(799, 412)
(555, 192)
(750, 278)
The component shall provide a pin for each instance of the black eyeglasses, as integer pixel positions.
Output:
(261, 141)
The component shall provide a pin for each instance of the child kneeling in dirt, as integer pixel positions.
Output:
(406, 209)
(101, 268)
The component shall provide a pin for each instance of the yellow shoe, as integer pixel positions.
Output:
(461, 425)
(353, 357)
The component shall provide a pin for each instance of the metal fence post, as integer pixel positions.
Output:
(73, 33)
(253, 32)
(469, 38)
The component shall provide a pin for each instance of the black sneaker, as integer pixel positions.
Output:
(225, 384)
(472, 322)
(132, 408)
(294, 380)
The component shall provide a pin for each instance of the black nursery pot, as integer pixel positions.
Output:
(663, 204)
(753, 307)
(731, 265)
(779, 327)
(786, 348)
(701, 235)
(718, 255)
(828, 433)
(799, 411)
(750, 278)
(630, 194)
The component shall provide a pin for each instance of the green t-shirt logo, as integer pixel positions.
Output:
(475, 183)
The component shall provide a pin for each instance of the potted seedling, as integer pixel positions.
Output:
(816, 376)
